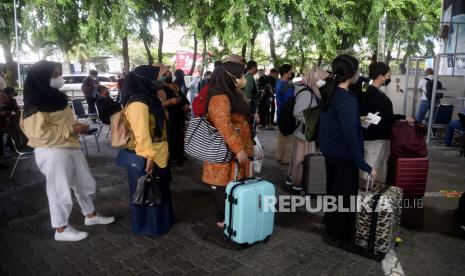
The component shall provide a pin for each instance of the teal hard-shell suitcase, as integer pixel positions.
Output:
(249, 211)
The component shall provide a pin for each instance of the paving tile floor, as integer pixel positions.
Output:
(432, 242)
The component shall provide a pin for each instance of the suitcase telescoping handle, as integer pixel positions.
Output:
(370, 182)
(236, 169)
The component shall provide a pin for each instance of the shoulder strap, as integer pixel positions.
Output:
(306, 88)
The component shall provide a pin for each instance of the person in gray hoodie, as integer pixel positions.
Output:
(307, 95)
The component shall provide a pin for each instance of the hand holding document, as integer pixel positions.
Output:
(370, 119)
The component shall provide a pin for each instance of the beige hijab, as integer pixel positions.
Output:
(163, 68)
(312, 77)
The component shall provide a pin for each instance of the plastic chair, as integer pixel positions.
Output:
(442, 117)
(91, 132)
(19, 142)
(79, 112)
(101, 124)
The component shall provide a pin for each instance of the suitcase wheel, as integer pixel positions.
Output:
(267, 239)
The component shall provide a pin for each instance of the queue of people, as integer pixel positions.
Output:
(155, 110)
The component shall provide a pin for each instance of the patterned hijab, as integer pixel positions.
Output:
(312, 77)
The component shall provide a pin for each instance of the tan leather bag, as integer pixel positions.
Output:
(119, 131)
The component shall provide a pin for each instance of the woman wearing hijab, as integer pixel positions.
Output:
(178, 109)
(307, 96)
(179, 81)
(228, 110)
(49, 124)
(147, 149)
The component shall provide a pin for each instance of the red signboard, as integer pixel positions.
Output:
(184, 61)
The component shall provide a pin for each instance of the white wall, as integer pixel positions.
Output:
(455, 87)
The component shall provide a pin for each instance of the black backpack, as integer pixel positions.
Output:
(286, 121)
(429, 89)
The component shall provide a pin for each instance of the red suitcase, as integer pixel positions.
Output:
(411, 175)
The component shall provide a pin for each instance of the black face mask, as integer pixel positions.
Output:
(292, 76)
(387, 82)
(169, 80)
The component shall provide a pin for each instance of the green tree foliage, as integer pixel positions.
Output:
(61, 18)
(301, 32)
(7, 33)
(411, 25)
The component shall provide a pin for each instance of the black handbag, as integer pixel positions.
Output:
(148, 191)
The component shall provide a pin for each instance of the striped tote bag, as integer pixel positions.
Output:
(203, 142)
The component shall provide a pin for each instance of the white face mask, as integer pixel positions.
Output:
(57, 82)
(320, 83)
(240, 83)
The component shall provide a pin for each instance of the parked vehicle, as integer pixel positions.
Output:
(73, 84)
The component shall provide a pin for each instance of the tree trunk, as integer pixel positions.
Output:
(6, 45)
(320, 60)
(374, 57)
(204, 53)
(10, 63)
(225, 49)
(252, 44)
(244, 50)
(272, 41)
(302, 62)
(83, 65)
(160, 39)
(125, 55)
(147, 50)
(196, 42)
(389, 56)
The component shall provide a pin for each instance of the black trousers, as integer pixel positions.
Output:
(265, 114)
(91, 104)
(342, 179)
(219, 203)
(176, 139)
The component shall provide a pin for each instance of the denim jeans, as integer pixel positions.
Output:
(453, 125)
(422, 110)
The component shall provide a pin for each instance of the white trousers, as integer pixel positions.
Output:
(376, 155)
(66, 169)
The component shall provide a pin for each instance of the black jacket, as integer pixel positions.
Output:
(106, 107)
(373, 100)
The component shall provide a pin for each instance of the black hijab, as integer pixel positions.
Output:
(179, 74)
(38, 94)
(221, 83)
(141, 85)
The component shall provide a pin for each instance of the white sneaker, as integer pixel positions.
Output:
(70, 234)
(98, 220)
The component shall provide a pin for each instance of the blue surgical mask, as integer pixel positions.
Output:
(162, 79)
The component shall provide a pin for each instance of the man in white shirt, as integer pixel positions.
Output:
(425, 104)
